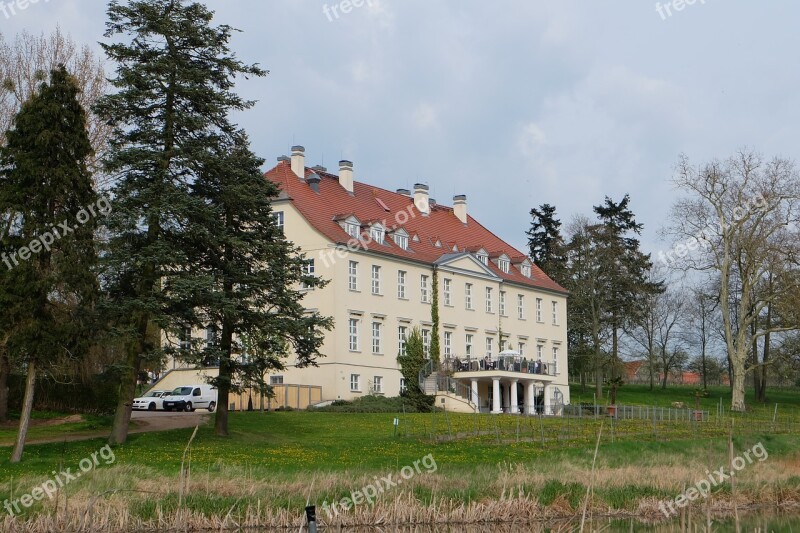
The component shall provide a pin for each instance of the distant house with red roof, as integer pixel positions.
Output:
(379, 250)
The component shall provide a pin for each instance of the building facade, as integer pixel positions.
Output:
(503, 322)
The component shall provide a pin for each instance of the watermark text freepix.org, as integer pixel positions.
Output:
(369, 493)
(346, 7)
(48, 238)
(59, 480)
(666, 10)
(714, 479)
(9, 9)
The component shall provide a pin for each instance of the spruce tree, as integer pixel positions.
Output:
(547, 247)
(172, 101)
(48, 282)
(252, 276)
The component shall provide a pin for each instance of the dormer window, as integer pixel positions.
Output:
(504, 265)
(438, 244)
(482, 256)
(526, 270)
(401, 239)
(377, 233)
(352, 226)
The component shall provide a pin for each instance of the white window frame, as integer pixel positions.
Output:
(401, 240)
(554, 307)
(276, 380)
(402, 336)
(489, 346)
(539, 311)
(355, 382)
(424, 291)
(504, 265)
(521, 306)
(468, 296)
(539, 352)
(555, 361)
(377, 334)
(309, 269)
(448, 343)
(376, 279)
(521, 348)
(447, 291)
(526, 270)
(352, 276)
(426, 341)
(489, 300)
(280, 219)
(352, 332)
(353, 229)
(468, 343)
(402, 384)
(401, 284)
(377, 384)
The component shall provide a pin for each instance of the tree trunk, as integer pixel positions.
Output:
(5, 372)
(762, 389)
(127, 392)
(25, 415)
(224, 382)
(737, 384)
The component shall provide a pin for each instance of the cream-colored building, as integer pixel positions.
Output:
(378, 249)
(503, 322)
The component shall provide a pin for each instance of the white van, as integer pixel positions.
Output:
(191, 397)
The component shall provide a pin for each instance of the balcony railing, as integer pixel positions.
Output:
(503, 363)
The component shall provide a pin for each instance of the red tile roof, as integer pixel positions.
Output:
(323, 209)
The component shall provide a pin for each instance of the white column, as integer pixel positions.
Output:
(496, 395)
(547, 389)
(530, 397)
(475, 399)
(514, 399)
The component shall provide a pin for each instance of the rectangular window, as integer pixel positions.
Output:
(377, 384)
(468, 341)
(402, 333)
(278, 216)
(502, 303)
(376, 337)
(554, 371)
(502, 344)
(402, 384)
(504, 265)
(489, 346)
(376, 279)
(539, 310)
(423, 289)
(539, 352)
(276, 380)
(401, 241)
(448, 343)
(308, 270)
(521, 306)
(352, 275)
(353, 230)
(489, 302)
(526, 271)
(376, 234)
(426, 341)
(353, 334)
(186, 338)
(448, 291)
(468, 295)
(555, 313)
(401, 284)
(521, 349)
(211, 337)
(355, 382)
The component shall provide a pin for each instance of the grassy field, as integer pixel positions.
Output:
(486, 467)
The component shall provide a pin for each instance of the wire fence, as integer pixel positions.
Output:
(579, 425)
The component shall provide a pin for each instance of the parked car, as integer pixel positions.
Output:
(190, 397)
(151, 401)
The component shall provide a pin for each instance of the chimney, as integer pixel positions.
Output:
(404, 192)
(299, 161)
(346, 175)
(460, 207)
(421, 198)
(319, 168)
(283, 158)
(313, 181)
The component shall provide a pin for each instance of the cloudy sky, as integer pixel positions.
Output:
(513, 103)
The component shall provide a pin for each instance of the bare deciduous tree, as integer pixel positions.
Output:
(27, 61)
(738, 224)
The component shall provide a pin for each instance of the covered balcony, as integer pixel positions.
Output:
(506, 383)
